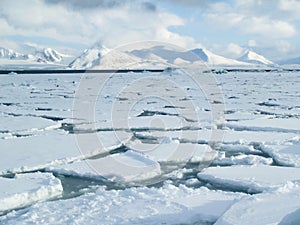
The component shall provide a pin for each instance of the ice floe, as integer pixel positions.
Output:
(279, 207)
(166, 205)
(124, 167)
(250, 179)
(26, 189)
(52, 148)
(285, 155)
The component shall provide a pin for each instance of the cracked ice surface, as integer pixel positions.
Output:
(94, 166)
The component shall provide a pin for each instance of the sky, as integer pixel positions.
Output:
(227, 28)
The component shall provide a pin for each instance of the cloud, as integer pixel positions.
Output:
(87, 4)
(232, 50)
(251, 17)
(284, 46)
(235, 50)
(114, 22)
(191, 3)
(291, 8)
(252, 43)
(264, 26)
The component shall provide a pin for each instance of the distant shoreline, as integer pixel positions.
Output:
(51, 71)
(77, 71)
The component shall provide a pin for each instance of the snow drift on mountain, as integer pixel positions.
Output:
(11, 54)
(160, 56)
(89, 58)
(253, 57)
(46, 55)
(213, 59)
(49, 55)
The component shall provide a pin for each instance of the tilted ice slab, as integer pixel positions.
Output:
(129, 166)
(52, 148)
(267, 208)
(284, 125)
(286, 155)
(166, 205)
(248, 136)
(252, 179)
(26, 189)
(243, 159)
(174, 151)
(224, 136)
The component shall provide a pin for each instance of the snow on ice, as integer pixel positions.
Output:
(166, 205)
(26, 189)
(279, 207)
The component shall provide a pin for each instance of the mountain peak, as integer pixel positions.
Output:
(90, 57)
(11, 54)
(51, 55)
(253, 57)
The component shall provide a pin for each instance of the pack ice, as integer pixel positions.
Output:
(149, 148)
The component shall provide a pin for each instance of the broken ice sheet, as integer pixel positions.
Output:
(26, 189)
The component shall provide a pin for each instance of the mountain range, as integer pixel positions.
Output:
(99, 57)
(44, 56)
(156, 56)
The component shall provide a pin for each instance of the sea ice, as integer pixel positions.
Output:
(285, 155)
(166, 205)
(124, 167)
(266, 208)
(252, 179)
(26, 189)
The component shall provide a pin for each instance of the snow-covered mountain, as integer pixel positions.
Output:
(11, 54)
(37, 56)
(254, 58)
(89, 58)
(159, 56)
(213, 59)
(153, 56)
(49, 55)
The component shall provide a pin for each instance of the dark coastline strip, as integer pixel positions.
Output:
(70, 71)
(52, 71)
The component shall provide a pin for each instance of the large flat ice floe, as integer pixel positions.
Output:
(166, 205)
(136, 166)
(129, 166)
(26, 189)
(252, 179)
(267, 124)
(279, 207)
(52, 148)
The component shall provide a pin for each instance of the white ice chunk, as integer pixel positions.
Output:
(250, 178)
(129, 166)
(290, 125)
(174, 151)
(267, 208)
(26, 189)
(241, 160)
(286, 155)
